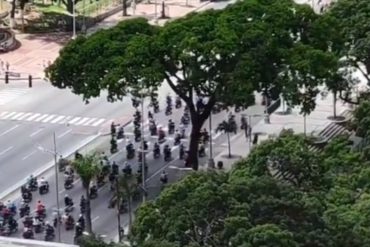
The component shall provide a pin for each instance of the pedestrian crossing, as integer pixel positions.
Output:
(52, 118)
(10, 94)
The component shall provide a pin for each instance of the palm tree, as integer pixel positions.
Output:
(228, 127)
(126, 187)
(87, 167)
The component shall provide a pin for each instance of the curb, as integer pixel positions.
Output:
(45, 168)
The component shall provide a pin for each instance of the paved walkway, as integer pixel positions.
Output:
(38, 50)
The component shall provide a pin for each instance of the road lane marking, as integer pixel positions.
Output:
(9, 130)
(57, 119)
(6, 116)
(25, 115)
(3, 113)
(90, 121)
(48, 118)
(28, 155)
(82, 121)
(74, 120)
(6, 150)
(95, 219)
(98, 122)
(64, 133)
(16, 116)
(36, 132)
(41, 117)
(33, 117)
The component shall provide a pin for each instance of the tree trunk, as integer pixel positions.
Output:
(192, 159)
(335, 104)
(69, 19)
(12, 15)
(124, 5)
(229, 143)
(88, 209)
(22, 17)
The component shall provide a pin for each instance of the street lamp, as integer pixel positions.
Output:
(211, 162)
(54, 153)
(74, 19)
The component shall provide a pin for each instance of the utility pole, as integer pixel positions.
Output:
(57, 186)
(142, 143)
(118, 212)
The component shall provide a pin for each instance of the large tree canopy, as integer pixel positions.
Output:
(250, 206)
(222, 56)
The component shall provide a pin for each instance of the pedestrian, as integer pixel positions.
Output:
(1, 64)
(7, 66)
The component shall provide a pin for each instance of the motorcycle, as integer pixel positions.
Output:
(44, 188)
(168, 110)
(130, 152)
(68, 183)
(167, 154)
(178, 103)
(32, 184)
(28, 234)
(181, 152)
(177, 140)
(69, 224)
(156, 152)
(93, 192)
(171, 128)
(24, 210)
(49, 237)
(161, 136)
(202, 151)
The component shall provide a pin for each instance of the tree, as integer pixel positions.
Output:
(362, 119)
(87, 167)
(22, 4)
(227, 127)
(192, 55)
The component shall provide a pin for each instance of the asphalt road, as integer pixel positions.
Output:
(104, 219)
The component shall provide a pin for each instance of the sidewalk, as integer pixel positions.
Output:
(315, 123)
(38, 50)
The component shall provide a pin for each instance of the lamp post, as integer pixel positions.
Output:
(55, 153)
(142, 142)
(74, 18)
(211, 162)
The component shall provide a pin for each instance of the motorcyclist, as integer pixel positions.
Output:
(81, 221)
(178, 102)
(112, 129)
(129, 146)
(36, 223)
(68, 201)
(78, 155)
(82, 204)
(202, 151)
(24, 208)
(205, 135)
(78, 230)
(156, 149)
(127, 169)
(30, 179)
(161, 134)
(49, 229)
(167, 152)
(177, 138)
(11, 206)
(164, 178)
(153, 127)
(145, 144)
(181, 151)
(121, 133)
(68, 219)
(93, 191)
(28, 233)
(115, 168)
(44, 185)
(40, 208)
(171, 126)
(150, 115)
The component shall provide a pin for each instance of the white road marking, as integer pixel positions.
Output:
(95, 219)
(57, 119)
(41, 117)
(28, 155)
(6, 150)
(82, 121)
(64, 133)
(48, 118)
(25, 115)
(16, 116)
(3, 113)
(36, 132)
(214, 137)
(97, 123)
(9, 130)
(74, 120)
(33, 117)
(8, 115)
(90, 121)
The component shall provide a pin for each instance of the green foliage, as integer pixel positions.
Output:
(362, 119)
(87, 167)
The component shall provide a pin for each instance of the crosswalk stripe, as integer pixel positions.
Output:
(55, 120)
(99, 122)
(48, 118)
(33, 117)
(74, 120)
(41, 117)
(8, 115)
(90, 121)
(82, 121)
(3, 113)
(65, 121)
(16, 116)
(25, 115)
